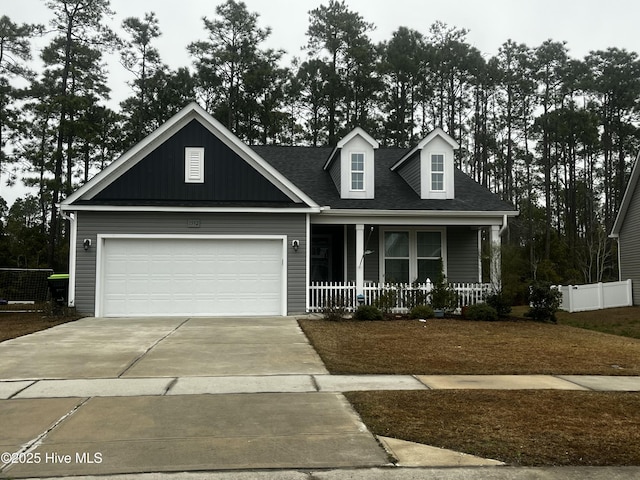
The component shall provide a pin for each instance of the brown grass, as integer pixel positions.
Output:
(463, 347)
(14, 325)
(616, 321)
(524, 427)
(518, 427)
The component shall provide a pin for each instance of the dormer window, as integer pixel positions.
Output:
(437, 172)
(428, 167)
(357, 172)
(352, 166)
(194, 165)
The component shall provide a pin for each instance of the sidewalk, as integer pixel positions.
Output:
(296, 383)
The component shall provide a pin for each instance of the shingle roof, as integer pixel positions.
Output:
(303, 166)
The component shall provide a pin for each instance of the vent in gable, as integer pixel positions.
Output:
(194, 165)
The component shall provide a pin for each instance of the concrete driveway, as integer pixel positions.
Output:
(101, 396)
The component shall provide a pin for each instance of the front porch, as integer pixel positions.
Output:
(404, 296)
(401, 258)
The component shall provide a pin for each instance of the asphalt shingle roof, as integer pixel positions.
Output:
(303, 166)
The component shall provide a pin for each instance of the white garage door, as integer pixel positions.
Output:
(194, 276)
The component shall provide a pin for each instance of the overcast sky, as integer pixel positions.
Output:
(585, 25)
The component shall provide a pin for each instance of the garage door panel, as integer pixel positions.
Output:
(192, 277)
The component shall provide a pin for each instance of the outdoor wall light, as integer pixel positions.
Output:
(86, 243)
(295, 244)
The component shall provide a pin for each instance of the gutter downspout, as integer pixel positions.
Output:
(504, 225)
(73, 236)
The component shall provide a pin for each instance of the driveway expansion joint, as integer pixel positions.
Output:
(170, 386)
(143, 354)
(34, 443)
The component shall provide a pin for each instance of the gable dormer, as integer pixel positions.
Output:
(352, 164)
(429, 167)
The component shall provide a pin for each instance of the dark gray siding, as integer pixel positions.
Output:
(334, 171)
(629, 244)
(410, 171)
(160, 175)
(90, 224)
(462, 254)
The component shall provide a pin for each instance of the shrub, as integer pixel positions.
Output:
(334, 310)
(544, 302)
(443, 296)
(500, 302)
(421, 311)
(367, 312)
(415, 296)
(387, 300)
(481, 312)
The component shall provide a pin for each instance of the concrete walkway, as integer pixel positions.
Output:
(296, 383)
(116, 396)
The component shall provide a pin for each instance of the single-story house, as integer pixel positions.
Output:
(192, 221)
(627, 230)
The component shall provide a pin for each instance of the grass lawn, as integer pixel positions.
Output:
(517, 427)
(617, 321)
(471, 348)
(16, 324)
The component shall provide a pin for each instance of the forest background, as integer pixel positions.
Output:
(555, 136)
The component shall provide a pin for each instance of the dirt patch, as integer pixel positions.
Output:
(14, 325)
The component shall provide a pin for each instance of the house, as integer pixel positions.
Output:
(192, 221)
(627, 230)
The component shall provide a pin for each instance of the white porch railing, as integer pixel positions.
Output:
(325, 294)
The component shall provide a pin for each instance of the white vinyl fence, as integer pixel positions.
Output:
(596, 296)
(325, 294)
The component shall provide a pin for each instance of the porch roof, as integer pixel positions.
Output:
(303, 166)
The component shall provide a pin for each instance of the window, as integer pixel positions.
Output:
(437, 172)
(396, 257)
(412, 256)
(429, 255)
(357, 171)
(194, 165)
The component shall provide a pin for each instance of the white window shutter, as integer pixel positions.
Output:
(194, 165)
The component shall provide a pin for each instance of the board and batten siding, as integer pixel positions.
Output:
(90, 224)
(629, 245)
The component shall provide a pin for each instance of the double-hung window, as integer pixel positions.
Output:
(437, 172)
(357, 171)
(412, 255)
(428, 255)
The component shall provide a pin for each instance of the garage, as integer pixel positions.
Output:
(190, 276)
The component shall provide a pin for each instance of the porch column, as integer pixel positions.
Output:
(495, 258)
(359, 259)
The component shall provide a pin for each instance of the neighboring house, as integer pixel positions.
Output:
(192, 221)
(627, 230)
